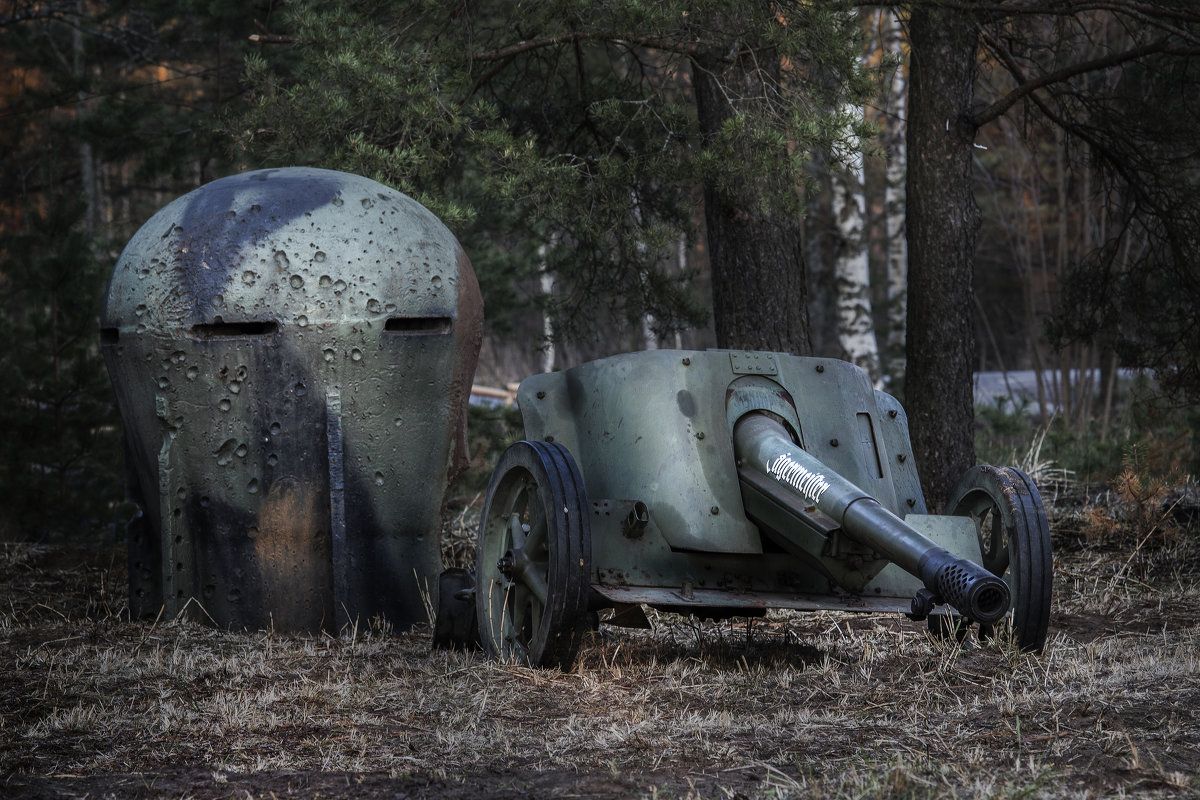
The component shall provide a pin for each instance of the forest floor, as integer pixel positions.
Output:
(817, 705)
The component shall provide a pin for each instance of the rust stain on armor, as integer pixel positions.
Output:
(292, 550)
(468, 328)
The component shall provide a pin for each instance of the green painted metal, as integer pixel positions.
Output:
(649, 425)
(654, 430)
(893, 426)
(292, 352)
(766, 451)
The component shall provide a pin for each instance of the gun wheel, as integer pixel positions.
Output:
(1014, 543)
(534, 557)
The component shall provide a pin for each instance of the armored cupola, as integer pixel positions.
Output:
(292, 352)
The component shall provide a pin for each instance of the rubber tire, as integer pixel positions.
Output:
(540, 483)
(1015, 546)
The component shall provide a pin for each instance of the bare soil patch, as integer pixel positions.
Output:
(794, 705)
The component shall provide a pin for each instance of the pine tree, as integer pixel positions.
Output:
(599, 128)
(61, 439)
(103, 115)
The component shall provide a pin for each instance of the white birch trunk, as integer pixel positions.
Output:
(681, 264)
(649, 337)
(546, 280)
(852, 275)
(894, 199)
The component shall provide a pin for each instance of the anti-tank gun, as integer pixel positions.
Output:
(724, 483)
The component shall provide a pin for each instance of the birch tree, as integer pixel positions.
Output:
(855, 322)
(546, 285)
(852, 274)
(895, 108)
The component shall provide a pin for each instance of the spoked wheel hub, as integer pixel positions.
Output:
(534, 557)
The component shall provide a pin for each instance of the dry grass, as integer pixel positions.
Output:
(816, 706)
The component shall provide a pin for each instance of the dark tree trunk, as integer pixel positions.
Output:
(759, 286)
(942, 223)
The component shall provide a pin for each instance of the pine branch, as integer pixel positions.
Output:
(1141, 8)
(613, 37)
(1027, 86)
(1099, 146)
(266, 37)
(1170, 19)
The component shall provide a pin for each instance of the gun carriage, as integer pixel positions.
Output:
(724, 483)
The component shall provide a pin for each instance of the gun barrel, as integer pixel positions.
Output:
(761, 443)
